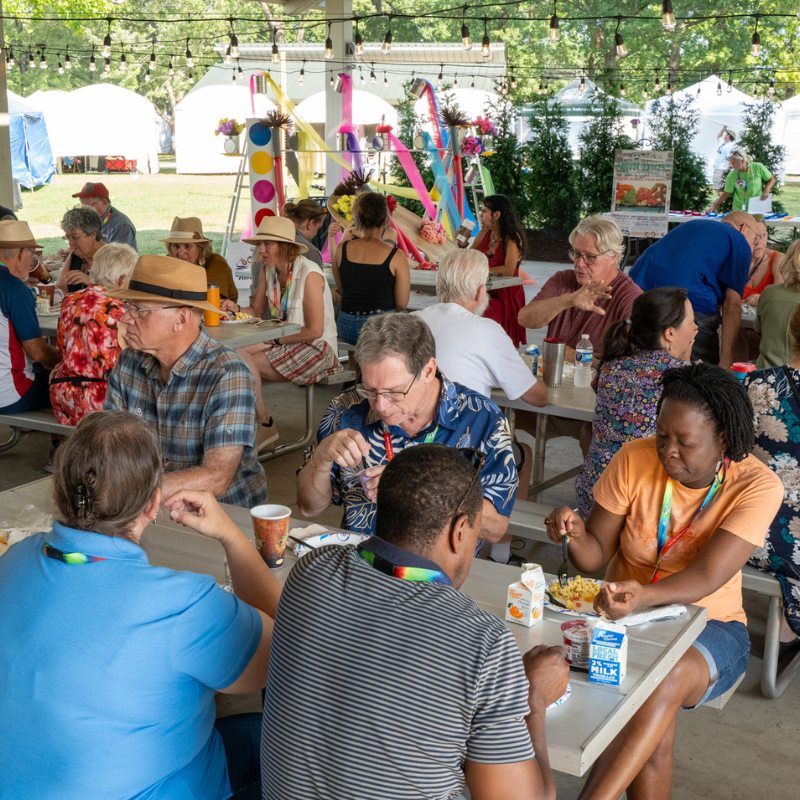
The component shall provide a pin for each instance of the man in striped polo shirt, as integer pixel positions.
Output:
(384, 680)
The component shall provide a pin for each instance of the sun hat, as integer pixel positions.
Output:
(96, 190)
(186, 230)
(168, 280)
(276, 229)
(16, 233)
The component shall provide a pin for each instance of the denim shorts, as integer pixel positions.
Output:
(349, 324)
(725, 647)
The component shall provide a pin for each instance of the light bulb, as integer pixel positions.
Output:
(513, 83)
(302, 76)
(67, 61)
(719, 88)
(123, 63)
(107, 66)
(92, 64)
(386, 47)
(622, 89)
(151, 64)
(43, 61)
(486, 46)
(60, 67)
(10, 58)
(466, 39)
(276, 56)
(234, 47)
(31, 62)
(554, 33)
(582, 86)
(171, 68)
(619, 44)
(372, 78)
(755, 48)
(329, 48)
(106, 51)
(667, 17)
(359, 43)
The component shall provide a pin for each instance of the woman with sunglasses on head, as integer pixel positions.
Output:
(675, 519)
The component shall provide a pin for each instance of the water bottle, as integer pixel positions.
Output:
(583, 362)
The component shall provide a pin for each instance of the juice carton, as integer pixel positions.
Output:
(525, 598)
(608, 653)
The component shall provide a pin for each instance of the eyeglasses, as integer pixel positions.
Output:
(391, 395)
(36, 256)
(75, 237)
(138, 312)
(589, 258)
(476, 459)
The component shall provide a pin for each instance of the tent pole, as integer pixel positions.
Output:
(6, 188)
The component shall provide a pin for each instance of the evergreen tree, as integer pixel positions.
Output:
(756, 138)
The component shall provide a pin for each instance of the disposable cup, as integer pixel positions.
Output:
(741, 369)
(271, 528)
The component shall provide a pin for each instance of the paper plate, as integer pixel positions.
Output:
(248, 321)
(561, 700)
(586, 609)
(332, 537)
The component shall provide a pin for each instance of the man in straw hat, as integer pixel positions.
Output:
(25, 356)
(197, 393)
(116, 226)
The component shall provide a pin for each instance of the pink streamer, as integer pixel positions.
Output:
(410, 168)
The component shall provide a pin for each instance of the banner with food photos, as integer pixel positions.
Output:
(641, 191)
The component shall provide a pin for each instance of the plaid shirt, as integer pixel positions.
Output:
(207, 402)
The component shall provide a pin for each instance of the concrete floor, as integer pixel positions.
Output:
(745, 752)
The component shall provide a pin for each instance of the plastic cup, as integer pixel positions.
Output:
(271, 528)
(553, 352)
(741, 369)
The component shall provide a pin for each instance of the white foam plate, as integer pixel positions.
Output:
(320, 539)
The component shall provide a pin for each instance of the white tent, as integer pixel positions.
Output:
(101, 120)
(787, 133)
(197, 149)
(716, 109)
(471, 101)
(368, 109)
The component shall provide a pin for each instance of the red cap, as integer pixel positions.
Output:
(96, 190)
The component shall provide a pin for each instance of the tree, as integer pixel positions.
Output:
(599, 139)
(550, 172)
(672, 126)
(756, 138)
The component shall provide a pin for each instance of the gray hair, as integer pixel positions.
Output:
(790, 267)
(112, 262)
(83, 218)
(7, 253)
(460, 275)
(606, 232)
(396, 334)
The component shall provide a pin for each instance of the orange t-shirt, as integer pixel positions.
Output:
(633, 484)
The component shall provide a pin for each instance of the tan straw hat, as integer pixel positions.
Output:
(167, 280)
(15, 233)
(186, 230)
(276, 229)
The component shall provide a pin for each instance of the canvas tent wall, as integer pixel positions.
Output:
(102, 120)
(715, 110)
(787, 133)
(197, 149)
(32, 161)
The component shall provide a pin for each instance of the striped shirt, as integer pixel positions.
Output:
(207, 402)
(381, 688)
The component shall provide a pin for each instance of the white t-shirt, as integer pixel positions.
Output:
(723, 154)
(475, 351)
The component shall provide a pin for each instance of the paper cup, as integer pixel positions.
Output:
(271, 527)
(741, 369)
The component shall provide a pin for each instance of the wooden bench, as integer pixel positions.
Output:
(337, 379)
(41, 420)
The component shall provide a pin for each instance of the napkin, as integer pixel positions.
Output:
(651, 614)
(309, 530)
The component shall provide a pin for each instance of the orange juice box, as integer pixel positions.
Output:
(525, 597)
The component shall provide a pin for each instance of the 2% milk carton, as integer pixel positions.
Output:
(608, 653)
(525, 597)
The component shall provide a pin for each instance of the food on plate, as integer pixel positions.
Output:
(577, 595)
(239, 316)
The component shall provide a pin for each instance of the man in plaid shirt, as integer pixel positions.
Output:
(198, 394)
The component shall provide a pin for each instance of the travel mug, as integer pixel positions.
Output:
(553, 352)
(211, 319)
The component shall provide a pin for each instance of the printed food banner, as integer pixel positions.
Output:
(641, 191)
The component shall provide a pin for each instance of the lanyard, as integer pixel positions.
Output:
(279, 302)
(664, 519)
(69, 558)
(417, 574)
(387, 441)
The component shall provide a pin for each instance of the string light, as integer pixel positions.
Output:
(107, 66)
(329, 45)
(151, 64)
(10, 62)
(669, 86)
(439, 79)
(730, 82)
(755, 47)
(719, 88)
(301, 78)
(513, 82)
(171, 67)
(486, 45)
(92, 62)
(106, 51)
(386, 47)
(622, 90)
(189, 59)
(31, 62)
(581, 86)
(276, 56)
(667, 17)
(43, 61)
(361, 76)
(372, 78)
(123, 61)
(771, 89)
(698, 90)
(554, 33)
(332, 81)
(67, 61)
(358, 40)
(466, 39)
(233, 50)
(385, 79)
(657, 85)
(60, 67)
(455, 81)
(619, 42)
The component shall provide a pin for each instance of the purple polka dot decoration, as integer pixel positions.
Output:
(260, 134)
(263, 191)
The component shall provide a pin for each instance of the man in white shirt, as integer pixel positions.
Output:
(722, 154)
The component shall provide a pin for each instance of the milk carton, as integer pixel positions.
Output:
(525, 598)
(608, 653)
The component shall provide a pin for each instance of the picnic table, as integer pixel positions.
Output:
(577, 732)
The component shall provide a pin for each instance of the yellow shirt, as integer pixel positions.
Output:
(633, 486)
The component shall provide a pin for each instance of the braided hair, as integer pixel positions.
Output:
(720, 397)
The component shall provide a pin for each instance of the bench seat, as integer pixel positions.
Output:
(41, 420)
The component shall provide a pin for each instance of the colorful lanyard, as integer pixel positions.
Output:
(664, 519)
(69, 558)
(279, 302)
(387, 441)
(417, 574)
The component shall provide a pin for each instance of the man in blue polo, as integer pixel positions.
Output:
(403, 400)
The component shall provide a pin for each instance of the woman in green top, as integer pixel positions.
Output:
(746, 180)
(774, 310)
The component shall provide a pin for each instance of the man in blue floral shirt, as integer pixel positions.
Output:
(403, 400)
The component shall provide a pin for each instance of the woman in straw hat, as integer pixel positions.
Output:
(293, 289)
(186, 242)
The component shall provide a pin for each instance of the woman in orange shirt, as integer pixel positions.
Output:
(675, 519)
(764, 268)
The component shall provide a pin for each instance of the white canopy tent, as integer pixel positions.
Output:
(472, 101)
(101, 120)
(715, 110)
(787, 133)
(197, 149)
(368, 109)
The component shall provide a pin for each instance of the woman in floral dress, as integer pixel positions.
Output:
(636, 352)
(775, 395)
(88, 342)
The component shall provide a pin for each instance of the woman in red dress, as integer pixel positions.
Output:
(502, 239)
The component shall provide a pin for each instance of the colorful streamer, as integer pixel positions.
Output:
(410, 168)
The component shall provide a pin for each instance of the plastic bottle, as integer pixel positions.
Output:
(464, 232)
(532, 351)
(583, 362)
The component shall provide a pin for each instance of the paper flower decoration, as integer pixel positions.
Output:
(344, 206)
(471, 146)
(431, 232)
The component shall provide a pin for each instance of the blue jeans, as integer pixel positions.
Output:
(241, 738)
(37, 396)
(349, 325)
(725, 647)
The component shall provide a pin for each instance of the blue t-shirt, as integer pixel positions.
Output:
(703, 256)
(109, 670)
(463, 419)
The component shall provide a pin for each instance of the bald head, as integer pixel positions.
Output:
(744, 223)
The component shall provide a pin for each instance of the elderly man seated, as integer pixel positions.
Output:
(403, 400)
(430, 690)
(116, 226)
(590, 297)
(198, 394)
(25, 356)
